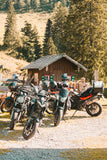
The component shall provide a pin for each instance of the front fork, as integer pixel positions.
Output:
(33, 117)
(15, 114)
(59, 107)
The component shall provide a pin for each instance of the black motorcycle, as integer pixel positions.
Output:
(87, 99)
(21, 104)
(35, 113)
(60, 103)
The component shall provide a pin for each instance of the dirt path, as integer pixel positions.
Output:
(72, 139)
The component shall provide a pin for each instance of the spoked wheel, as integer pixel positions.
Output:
(6, 105)
(58, 116)
(29, 129)
(94, 109)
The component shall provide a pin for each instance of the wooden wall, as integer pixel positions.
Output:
(56, 69)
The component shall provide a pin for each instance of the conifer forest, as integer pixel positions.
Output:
(76, 27)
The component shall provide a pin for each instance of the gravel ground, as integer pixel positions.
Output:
(79, 132)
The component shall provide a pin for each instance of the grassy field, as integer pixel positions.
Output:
(10, 65)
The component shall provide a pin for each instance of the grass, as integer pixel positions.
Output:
(13, 65)
(5, 150)
(85, 154)
(5, 133)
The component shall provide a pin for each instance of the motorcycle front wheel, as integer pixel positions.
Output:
(58, 116)
(29, 129)
(13, 121)
(94, 109)
(6, 105)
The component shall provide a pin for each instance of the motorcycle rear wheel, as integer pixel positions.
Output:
(94, 109)
(6, 105)
(30, 129)
(58, 116)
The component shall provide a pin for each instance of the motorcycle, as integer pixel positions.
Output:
(8, 103)
(20, 106)
(35, 113)
(87, 99)
(60, 103)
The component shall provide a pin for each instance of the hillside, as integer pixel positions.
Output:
(10, 65)
(38, 19)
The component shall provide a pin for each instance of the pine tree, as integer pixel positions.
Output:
(83, 35)
(47, 36)
(11, 36)
(19, 5)
(31, 48)
(58, 20)
(37, 46)
(51, 48)
(33, 4)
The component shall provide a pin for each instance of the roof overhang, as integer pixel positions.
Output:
(58, 57)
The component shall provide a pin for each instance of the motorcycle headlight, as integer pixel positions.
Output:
(42, 99)
(62, 99)
(20, 99)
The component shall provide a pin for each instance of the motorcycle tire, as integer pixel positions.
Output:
(94, 109)
(58, 116)
(13, 121)
(30, 129)
(65, 110)
(12, 124)
(6, 105)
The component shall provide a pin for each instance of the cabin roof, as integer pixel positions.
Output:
(49, 59)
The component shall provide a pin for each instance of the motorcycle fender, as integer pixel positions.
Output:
(88, 103)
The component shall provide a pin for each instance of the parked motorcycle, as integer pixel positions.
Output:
(8, 103)
(20, 106)
(60, 103)
(36, 109)
(88, 99)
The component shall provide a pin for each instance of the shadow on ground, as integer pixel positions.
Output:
(54, 154)
(5, 133)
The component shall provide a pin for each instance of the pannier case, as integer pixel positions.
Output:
(98, 86)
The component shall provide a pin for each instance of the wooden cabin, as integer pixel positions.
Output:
(55, 65)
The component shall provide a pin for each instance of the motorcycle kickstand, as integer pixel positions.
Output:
(38, 132)
(73, 114)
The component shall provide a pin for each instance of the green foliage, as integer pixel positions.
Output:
(11, 38)
(47, 36)
(58, 20)
(35, 5)
(31, 49)
(51, 48)
(83, 36)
